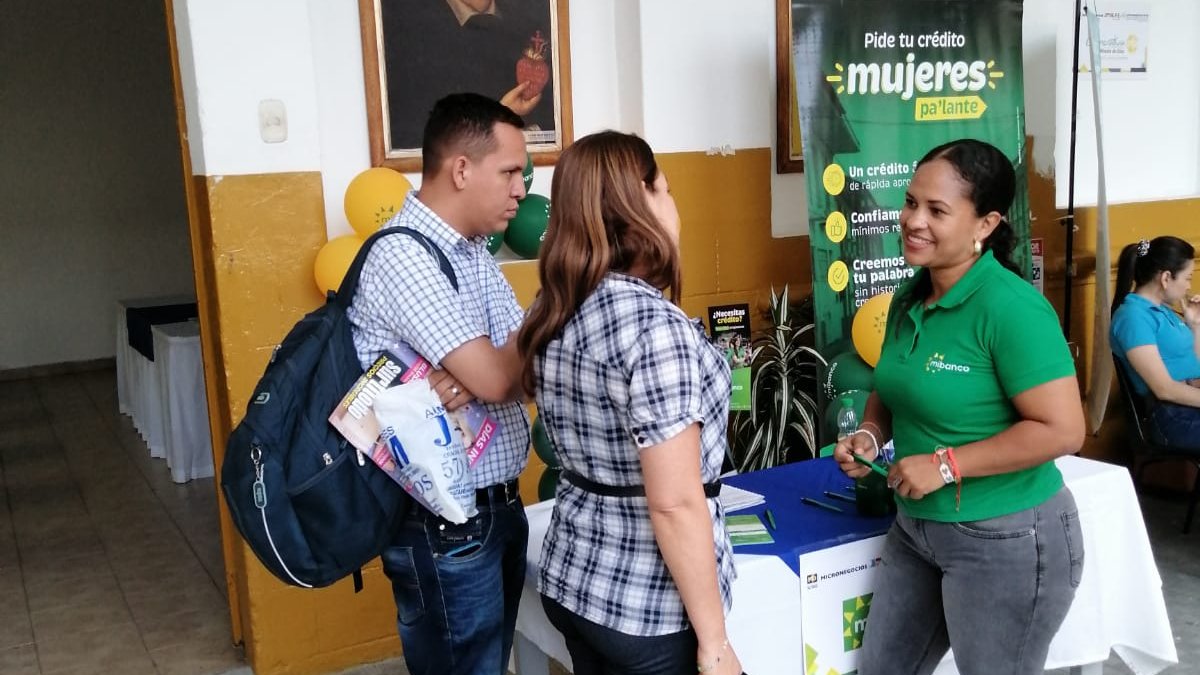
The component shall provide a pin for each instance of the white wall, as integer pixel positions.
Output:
(243, 53)
(1151, 124)
(93, 207)
(636, 66)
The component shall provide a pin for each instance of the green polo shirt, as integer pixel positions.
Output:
(948, 373)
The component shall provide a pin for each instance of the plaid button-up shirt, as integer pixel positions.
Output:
(404, 297)
(630, 371)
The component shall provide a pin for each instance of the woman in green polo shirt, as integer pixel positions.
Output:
(977, 388)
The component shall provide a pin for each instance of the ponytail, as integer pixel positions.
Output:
(1125, 266)
(1001, 243)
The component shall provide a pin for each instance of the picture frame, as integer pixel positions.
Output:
(789, 149)
(416, 51)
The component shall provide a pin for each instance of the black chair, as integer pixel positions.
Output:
(1153, 451)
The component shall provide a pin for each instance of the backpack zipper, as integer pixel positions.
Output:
(260, 500)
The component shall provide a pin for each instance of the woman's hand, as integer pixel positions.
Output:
(452, 392)
(1191, 311)
(854, 444)
(915, 476)
(718, 659)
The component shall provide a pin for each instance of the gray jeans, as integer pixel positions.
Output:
(995, 590)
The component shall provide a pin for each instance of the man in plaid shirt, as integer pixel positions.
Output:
(457, 586)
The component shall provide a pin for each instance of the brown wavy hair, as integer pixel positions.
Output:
(599, 223)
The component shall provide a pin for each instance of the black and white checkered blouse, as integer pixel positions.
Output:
(404, 297)
(629, 372)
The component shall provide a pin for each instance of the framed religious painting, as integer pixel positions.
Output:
(417, 51)
(789, 151)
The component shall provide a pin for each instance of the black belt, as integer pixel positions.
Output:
(711, 490)
(500, 493)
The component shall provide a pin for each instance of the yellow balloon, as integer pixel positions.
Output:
(373, 197)
(333, 260)
(870, 323)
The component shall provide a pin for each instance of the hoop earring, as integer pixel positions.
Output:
(978, 247)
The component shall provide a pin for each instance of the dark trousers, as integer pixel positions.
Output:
(597, 650)
(1177, 425)
(457, 587)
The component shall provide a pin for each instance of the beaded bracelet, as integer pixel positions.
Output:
(950, 472)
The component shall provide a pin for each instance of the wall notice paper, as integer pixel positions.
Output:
(748, 529)
(1039, 264)
(1123, 41)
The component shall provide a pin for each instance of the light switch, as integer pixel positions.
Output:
(272, 120)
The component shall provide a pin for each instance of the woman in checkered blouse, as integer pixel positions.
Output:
(637, 566)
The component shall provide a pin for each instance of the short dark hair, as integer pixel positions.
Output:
(463, 124)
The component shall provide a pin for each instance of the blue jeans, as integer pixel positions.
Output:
(457, 587)
(995, 590)
(598, 650)
(1177, 425)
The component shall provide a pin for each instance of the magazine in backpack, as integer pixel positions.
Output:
(304, 498)
(394, 417)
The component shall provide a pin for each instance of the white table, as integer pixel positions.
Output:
(137, 376)
(129, 383)
(186, 441)
(1118, 606)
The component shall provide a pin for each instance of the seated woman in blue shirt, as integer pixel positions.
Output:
(1160, 350)
(636, 569)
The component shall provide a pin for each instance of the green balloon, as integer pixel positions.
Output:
(541, 443)
(495, 241)
(848, 372)
(527, 229)
(858, 396)
(527, 174)
(548, 484)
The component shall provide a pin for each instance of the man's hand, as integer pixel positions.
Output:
(516, 101)
(453, 394)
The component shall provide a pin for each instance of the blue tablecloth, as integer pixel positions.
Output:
(803, 528)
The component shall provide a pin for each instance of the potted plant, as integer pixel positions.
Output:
(783, 422)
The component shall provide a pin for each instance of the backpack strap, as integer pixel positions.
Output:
(345, 293)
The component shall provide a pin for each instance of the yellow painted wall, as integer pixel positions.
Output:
(263, 233)
(258, 236)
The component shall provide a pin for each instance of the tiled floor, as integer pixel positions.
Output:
(106, 566)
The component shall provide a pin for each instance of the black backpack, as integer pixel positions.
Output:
(298, 493)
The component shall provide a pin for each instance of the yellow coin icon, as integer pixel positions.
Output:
(835, 227)
(834, 179)
(839, 276)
